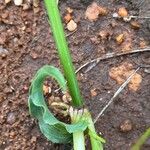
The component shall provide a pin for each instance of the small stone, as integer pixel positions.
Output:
(23, 28)
(11, 118)
(104, 34)
(135, 25)
(7, 1)
(4, 56)
(12, 134)
(25, 88)
(94, 10)
(33, 139)
(26, 6)
(120, 38)
(122, 12)
(115, 15)
(93, 92)
(69, 10)
(67, 17)
(5, 15)
(71, 26)
(34, 55)
(126, 126)
(18, 2)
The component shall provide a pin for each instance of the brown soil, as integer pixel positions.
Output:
(26, 44)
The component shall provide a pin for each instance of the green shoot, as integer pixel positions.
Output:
(141, 140)
(63, 50)
(51, 127)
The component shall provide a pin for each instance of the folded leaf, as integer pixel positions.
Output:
(51, 127)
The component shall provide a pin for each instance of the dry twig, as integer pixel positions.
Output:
(116, 94)
(108, 56)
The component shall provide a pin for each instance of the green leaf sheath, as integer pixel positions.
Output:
(51, 127)
(96, 140)
(63, 50)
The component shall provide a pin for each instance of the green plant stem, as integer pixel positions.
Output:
(141, 140)
(78, 141)
(63, 50)
(96, 144)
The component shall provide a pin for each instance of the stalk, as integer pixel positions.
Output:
(94, 138)
(63, 50)
(78, 141)
(78, 137)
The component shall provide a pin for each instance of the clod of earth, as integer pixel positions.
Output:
(143, 44)
(122, 12)
(126, 126)
(122, 72)
(71, 26)
(94, 10)
(11, 118)
(127, 43)
(135, 24)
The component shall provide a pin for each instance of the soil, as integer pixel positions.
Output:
(26, 44)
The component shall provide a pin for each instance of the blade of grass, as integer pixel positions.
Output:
(141, 140)
(63, 50)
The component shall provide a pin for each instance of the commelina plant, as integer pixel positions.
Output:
(81, 120)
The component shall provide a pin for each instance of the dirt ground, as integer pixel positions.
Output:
(26, 44)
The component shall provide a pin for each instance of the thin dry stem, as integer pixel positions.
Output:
(116, 94)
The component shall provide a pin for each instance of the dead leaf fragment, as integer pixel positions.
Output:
(71, 26)
(135, 24)
(122, 12)
(120, 38)
(94, 10)
(122, 72)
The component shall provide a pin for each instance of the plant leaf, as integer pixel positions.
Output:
(51, 127)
